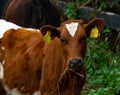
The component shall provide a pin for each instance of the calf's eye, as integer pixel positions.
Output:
(83, 39)
(64, 41)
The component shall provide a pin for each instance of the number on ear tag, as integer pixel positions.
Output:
(94, 32)
(47, 37)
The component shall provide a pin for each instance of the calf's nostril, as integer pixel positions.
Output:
(75, 64)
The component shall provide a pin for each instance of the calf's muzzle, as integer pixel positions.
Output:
(75, 64)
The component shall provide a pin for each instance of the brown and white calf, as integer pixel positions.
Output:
(36, 66)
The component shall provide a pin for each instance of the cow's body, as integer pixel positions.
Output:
(56, 67)
(32, 13)
(28, 59)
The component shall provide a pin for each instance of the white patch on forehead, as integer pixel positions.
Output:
(72, 28)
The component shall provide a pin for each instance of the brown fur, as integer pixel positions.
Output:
(22, 57)
(32, 13)
(37, 65)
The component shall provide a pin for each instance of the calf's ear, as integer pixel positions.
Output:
(94, 27)
(49, 32)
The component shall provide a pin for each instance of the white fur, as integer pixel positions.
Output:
(4, 26)
(3, 48)
(16, 92)
(37, 93)
(31, 29)
(1, 71)
(72, 28)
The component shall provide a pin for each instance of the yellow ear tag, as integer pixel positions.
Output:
(47, 37)
(94, 32)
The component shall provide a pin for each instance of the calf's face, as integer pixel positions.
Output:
(73, 34)
(73, 39)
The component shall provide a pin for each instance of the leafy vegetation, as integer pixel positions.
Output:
(100, 5)
(70, 11)
(103, 69)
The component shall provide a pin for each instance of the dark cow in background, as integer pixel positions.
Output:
(3, 4)
(49, 61)
(32, 13)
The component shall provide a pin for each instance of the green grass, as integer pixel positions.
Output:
(103, 69)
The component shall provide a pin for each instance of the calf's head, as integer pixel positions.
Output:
(72, 35)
